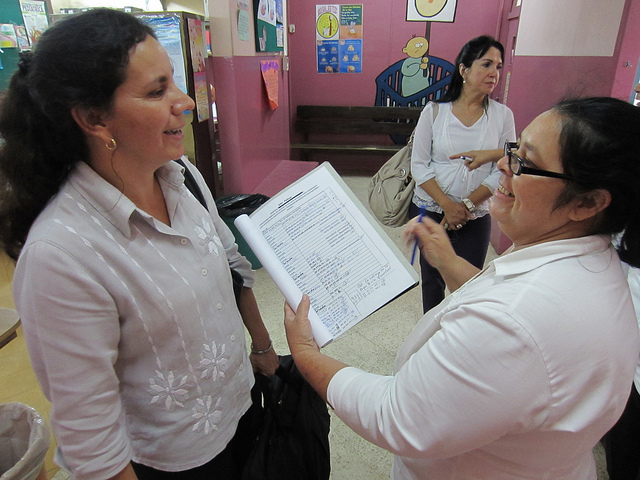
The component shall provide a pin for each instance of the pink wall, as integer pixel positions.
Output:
(253, 138)
(629, 52)
(532, 91)
(538, 83)
(385, 33)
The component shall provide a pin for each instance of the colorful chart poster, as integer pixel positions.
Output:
(350, 56)
(327, 52)
(34, 15)
(339, 38)
(23, 37)
(327, 22)
(8, 36)
(202, 100)
(270, 69)
(167, 29)
(198, 52)
(196, 44)
(350, 38)
(350, 22)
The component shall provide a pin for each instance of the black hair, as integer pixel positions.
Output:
(79, 61)
(471, 51)
(600, 148)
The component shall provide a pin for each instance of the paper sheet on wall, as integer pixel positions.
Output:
(269, 69)
(315, 237)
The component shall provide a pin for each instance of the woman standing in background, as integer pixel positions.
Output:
(465, 120)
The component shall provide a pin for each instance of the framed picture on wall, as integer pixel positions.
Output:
(431, 10)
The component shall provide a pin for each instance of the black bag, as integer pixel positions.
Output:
(192, 186)
(243, 203)
(293, 420)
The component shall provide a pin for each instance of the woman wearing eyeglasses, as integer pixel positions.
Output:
(521, 370)
(622, 442)
(447, 190)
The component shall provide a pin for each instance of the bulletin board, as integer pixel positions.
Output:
(269, 25)
(10, 13)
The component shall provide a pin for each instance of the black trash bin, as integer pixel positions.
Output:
(230, 208)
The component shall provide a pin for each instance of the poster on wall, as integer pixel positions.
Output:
(339, 38)
(198, 52)
(167, 29)
(8, 38)
(269, 28)
(431, 10)
(327, 36)
(23, 37)
(34, 15)
(243, 19)
(270, 69)
(350, 39)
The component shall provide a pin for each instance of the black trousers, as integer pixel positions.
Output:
(471, 242)
(227, 465)
(622, 442)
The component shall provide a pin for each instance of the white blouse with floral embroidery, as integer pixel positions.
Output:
(132, 326)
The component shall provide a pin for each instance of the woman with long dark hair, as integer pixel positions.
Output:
(463, 127)
(123, 280)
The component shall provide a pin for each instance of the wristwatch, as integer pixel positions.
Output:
(469, 204)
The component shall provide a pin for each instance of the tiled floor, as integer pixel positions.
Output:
(370, 345)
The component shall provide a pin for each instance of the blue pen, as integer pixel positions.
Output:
(415, 245)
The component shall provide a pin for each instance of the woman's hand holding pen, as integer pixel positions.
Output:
(433, 240)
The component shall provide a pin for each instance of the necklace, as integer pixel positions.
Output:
(468, 118)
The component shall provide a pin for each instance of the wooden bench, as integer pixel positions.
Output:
(353, 129)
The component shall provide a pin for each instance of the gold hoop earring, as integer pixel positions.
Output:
(112, 145)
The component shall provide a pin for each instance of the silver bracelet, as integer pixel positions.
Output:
(260, 352)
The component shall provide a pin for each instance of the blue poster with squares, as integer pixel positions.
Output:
(327, 54)
(351, 56)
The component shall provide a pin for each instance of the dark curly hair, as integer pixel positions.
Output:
(79, 61)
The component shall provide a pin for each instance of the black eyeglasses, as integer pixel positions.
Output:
(516, 164)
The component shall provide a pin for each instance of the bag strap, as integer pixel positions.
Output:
(435, 107)
(191, 185)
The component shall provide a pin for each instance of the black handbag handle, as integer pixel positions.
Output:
(273, 387)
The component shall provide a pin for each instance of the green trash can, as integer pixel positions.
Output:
(233, 206)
